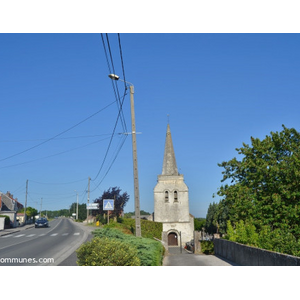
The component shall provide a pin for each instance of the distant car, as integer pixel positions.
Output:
(42, 222)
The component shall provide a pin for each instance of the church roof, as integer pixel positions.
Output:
(169, 164)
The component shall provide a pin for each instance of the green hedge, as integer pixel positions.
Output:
(277, 240)
(149, 229)
(107, 252)
(149, 251)
(207, 247)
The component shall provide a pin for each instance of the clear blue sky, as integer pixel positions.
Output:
(218, 90)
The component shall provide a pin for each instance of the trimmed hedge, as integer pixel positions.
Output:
(107, 252)
(149, 251)
(149, 229)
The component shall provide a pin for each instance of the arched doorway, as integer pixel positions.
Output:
(172, 239)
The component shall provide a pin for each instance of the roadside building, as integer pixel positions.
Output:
(9, 207)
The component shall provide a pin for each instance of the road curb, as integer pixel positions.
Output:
(17, 230)
(7, 233)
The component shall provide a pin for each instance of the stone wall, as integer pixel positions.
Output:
(250, 256)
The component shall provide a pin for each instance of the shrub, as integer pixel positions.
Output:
(207, 247)
(244, 233)
(149, 229)
(149, 251)
(119, 226)
(107, 252)
(101, 219)
(267, 238)
(278, 241)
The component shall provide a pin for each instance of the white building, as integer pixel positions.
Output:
(171, 200)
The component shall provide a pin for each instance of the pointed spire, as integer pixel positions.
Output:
(169, 164)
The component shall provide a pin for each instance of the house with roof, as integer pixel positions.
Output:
(9, 207)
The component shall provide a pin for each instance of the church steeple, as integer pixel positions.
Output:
(169, 164)
(171, 200)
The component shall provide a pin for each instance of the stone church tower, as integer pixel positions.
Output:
(171, 200)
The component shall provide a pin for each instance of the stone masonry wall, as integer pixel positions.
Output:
(250, 256)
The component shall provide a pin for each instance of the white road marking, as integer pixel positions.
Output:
(42, 234)
(16, 236)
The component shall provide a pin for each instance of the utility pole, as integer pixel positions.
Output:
(41, 208)
(88, 201)
(135, 168)
(25, 206)
(134, 154)
(77, 206)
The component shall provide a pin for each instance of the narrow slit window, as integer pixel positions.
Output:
(166, 196)
(175, 196)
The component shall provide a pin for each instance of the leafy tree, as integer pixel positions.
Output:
(216, 217)
(130, 214)
(82, 212)
(211, 218)
(266, 238)
(261, 202)
(244, 233)
(265, 183)
(199, 223)
(60, 212)
(30, 212)
(120, 201)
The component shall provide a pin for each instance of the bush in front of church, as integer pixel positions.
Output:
(149, 251)
(107, 252)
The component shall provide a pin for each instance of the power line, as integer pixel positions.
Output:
(114, 159)
(65, 138)
(111, 69)
(107, 150)
(52, 138)
(120, 113)
(58, 183)
(52, 155)
(122, 63)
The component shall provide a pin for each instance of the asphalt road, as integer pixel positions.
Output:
(54, 246)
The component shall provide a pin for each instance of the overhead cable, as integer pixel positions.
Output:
(120, 112)
(52, 138)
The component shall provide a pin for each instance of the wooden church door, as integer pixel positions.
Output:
(172, 239)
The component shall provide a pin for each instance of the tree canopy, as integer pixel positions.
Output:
(30, 212)
(82, 212)
(264, 187)
(120, 201)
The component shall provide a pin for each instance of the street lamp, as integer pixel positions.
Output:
(134, 154)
